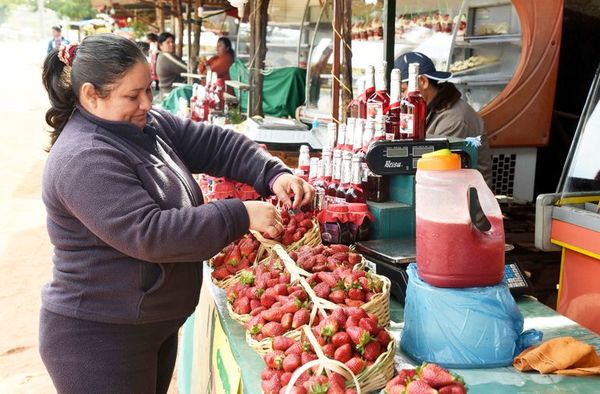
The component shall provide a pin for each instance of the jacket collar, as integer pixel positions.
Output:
(145, 137)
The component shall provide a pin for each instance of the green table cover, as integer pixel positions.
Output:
(485, 381)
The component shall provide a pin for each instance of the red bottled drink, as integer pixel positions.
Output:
(379, 102)
(313, 170)
(219, 92)
(304, 161)
(354, 193)
(413, 109)
(392, 121)
(341, 137)
(357, 137)
(349, 138)
(331, 135)
(340, 194)
(379, 133)
(368, 92)
(336, 176)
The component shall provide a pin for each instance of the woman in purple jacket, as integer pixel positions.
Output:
(127, 220)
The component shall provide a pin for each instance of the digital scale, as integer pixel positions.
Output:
(287, 133)
(390, 258)
(400, 157)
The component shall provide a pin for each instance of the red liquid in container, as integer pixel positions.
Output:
(460, 255)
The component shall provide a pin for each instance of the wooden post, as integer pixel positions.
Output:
(196, 30)
(258, 52)
(160, 16)
(347, 65)
(335, 70)
(178, 15)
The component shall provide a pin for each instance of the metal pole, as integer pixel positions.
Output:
(389, 34)
(189, 39)
(335, 71)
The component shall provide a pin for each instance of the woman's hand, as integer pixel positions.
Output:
(264, 218)
(287, 184)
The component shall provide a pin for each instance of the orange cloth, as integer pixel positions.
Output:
(563, 355)
(218, 64)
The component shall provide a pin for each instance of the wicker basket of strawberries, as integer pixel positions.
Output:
(355, 338)
(234, 258)
(337, 277)
(427, 378)
(300, 229)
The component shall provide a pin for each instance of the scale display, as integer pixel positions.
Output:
(400, 157)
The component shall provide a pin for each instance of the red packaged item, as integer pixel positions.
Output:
(333, 224)
(359, 221)
(245, 192)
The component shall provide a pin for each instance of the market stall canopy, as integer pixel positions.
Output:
(88, 22)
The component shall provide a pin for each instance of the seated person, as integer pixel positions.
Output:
(448, 115)
(168, 65)
(221, 62)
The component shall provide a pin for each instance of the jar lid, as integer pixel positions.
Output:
(440, 160)
(357, 207)
(341, 208)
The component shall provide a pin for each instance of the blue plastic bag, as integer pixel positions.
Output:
(477, 327)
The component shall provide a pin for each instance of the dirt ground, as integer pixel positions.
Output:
(25, 251)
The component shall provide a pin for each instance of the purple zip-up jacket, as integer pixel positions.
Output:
(126, 218)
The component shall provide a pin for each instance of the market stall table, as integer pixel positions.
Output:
(233, 363)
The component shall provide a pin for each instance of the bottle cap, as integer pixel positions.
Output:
(440, 160)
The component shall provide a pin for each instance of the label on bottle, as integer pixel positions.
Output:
(407, 120)
(374, 109)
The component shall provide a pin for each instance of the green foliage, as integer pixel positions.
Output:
(72, 9)
(139, 28)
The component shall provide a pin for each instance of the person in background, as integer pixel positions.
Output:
(168, 65)
(448, 115)
(57, 39)
(152, 40)
(145, 47)
(127, 220)
(221, 62)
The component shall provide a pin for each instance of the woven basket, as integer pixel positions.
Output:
(378, 305)
(283, 254)
(266, 345)
(242, 319)
(311, 238)
(225, 283)
(371, 378)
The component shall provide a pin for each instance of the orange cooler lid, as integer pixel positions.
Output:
(440, 160)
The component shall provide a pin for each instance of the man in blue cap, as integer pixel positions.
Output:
(448, 115)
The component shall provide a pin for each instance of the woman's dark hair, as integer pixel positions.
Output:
(58, 28)
(100, 59)
(227, 42)
(162, 37)
(144, 46)
(152, 37)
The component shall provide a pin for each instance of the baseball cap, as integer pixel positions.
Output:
(426, 67)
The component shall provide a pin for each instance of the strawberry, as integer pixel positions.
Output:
(322, 290)
(419, 387)
(435, 375)
(220, 273)
(329, 327)
(337, 296)
(383, 337)
(352, 321)
(243, 306)
(293, 255)
(271, 386)
(256, 307)
(285, 278)
(328, 350)
(296, 390)
(329, 278)
(396, 389)
(272, 329)
(291, 306)
(280, 289)
(396, 381)
(354, 258)
(295, 348)
(340, 338)
(306, 357)
(369, 325)
(371, 351)
(340, 315)
(246, 247)
(272, 314)
(355, 364)
(286, 321)
(291, 362)
(219, 260)
(356, 312)
(272, 283)
(301, 318)
(407, 375)
(453, 388)
(234, 257)
(353, 303)
(268, 373)
(285, 378)
(358, 335)
(343, 353)
(339, 248)
(306, 223)
(267, 300)
(274, 359)
(356, 294)
(282, 343)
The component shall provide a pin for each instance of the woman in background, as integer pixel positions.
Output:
(221, 62)
(168, 65)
